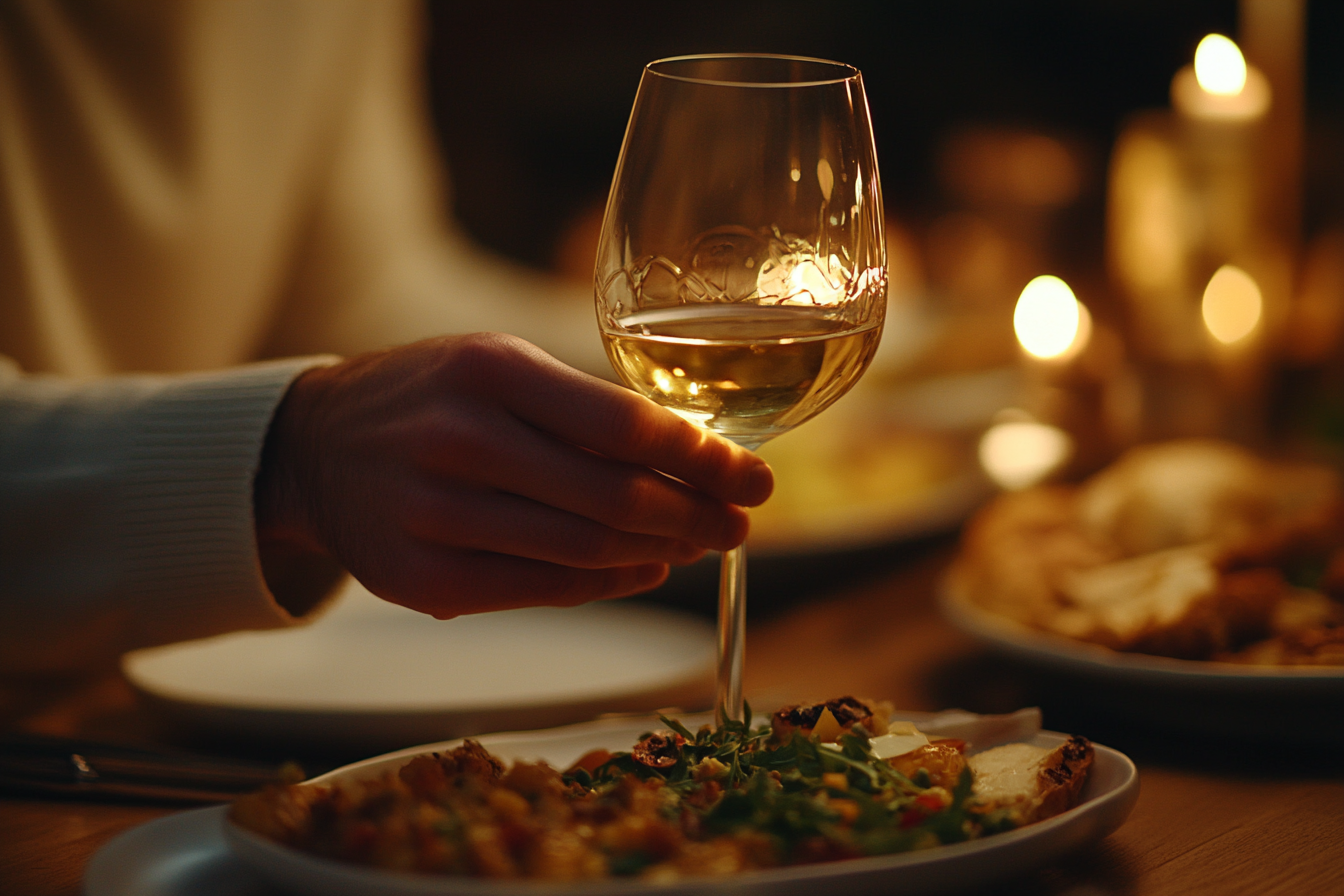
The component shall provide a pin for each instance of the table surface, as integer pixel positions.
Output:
(1214, 816)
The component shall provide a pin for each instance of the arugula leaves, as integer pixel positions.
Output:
(807, 798)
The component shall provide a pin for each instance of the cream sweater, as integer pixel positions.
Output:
(191, 186)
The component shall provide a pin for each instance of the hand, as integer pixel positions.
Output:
(475, 473)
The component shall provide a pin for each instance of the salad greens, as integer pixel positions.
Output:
(810, 800)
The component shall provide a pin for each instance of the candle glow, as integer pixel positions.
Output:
(1219, 66)
(1232, 305)
(1020, 453)
(1220, 85)
(1049, 320)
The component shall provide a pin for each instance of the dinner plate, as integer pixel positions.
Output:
(1096, 662)
(371, 676)
(858, 485)
(889, 461)
(1107, 798)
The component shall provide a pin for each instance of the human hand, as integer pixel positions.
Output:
(474, 473)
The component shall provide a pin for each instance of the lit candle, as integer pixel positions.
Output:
(1072, 416)
(1232, 305)
(1220, 86)
(1050, 323)
(1194, 250)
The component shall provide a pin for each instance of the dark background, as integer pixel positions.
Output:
(530, 99)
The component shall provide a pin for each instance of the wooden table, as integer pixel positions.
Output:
(1212, 818)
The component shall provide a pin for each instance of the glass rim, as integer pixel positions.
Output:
(852, 73)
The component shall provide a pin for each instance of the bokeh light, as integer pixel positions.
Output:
(1219, 66)
(1232, 304)
(1020, 453)
(1049, 321)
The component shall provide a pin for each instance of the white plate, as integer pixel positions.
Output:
(875, 468)
(371, 675)
(1108, 796)
(1100, 663)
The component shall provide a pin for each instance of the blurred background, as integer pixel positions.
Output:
(1039, 138)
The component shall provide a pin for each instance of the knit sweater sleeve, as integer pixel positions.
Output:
(126, 511)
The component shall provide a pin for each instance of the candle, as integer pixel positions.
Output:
(1075, 408)
(1219, 86)
(1194, 249)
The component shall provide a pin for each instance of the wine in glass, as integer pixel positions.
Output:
(741, 271)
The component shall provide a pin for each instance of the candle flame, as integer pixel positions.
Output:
(1232, 304)
(1020, 453)
(1049, 321)
(1219, 66)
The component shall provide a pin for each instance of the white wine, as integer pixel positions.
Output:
(749, 372)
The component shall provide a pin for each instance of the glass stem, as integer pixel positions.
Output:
(733, 620)
(732, 633)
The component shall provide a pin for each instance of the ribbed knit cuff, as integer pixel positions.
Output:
(186, 522)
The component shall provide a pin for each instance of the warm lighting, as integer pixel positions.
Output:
(803, 278)
(1219, 66)
(1049, 321)
(1220, 86)
(1232, 304)
(1019, 454)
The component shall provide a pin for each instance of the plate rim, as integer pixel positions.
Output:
(187, 697)
(107, 866)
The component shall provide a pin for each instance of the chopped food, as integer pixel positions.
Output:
(1192, 549)
(714, 801)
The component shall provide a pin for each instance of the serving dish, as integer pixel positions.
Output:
(1107, 799)
(1232, 703)
(1094, 661)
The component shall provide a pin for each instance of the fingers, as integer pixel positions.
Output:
(486, 520)
(445, 582)
(621, 425)
(508, 456)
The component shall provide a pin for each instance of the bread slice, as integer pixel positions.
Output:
(1030, 782)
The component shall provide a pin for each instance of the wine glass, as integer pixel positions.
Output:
(741, 271)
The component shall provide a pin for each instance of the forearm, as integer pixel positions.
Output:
(126, 515)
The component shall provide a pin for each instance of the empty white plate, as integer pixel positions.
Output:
(372, 675)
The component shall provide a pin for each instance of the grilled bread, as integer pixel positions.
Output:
(1031, 782)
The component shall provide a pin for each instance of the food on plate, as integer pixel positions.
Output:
(1191, 549)
(821, 782)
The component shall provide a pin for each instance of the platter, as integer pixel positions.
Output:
(200, 851)
(1095, 662)
(371, 676)
(1108, 797)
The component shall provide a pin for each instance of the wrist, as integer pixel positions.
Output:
(297, 568)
